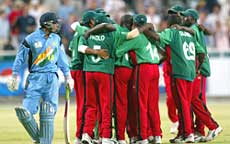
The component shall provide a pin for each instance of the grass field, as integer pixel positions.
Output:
(12, 132)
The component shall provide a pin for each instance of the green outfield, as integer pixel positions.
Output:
(11, 131)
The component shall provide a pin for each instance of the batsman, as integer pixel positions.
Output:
(43, 52)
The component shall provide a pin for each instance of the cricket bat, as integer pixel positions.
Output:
(66, 116)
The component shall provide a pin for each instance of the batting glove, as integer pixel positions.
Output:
(69, 83)
(13, 83)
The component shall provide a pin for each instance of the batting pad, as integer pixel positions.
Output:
(46, 123)
(28, 122)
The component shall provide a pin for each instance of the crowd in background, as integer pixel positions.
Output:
(18, 18)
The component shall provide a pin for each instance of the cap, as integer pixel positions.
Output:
(87, 16)
(175, 9)
(101, 18)
(140, 19)
(102, 11)
(191, 12)
(48, 17)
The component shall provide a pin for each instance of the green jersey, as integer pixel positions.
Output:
(123, 60)
(94, 63)
(199, 35)
(145, 51)
(77, 57)
(183, 52)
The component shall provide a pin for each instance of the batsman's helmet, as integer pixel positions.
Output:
(47, 19)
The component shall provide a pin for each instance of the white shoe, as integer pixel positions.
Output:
(213, 133)
(189, 138)
(77, 141)
(151, 139)
(199, 138)
(157, 139)
(177, 139)
(174, 126)
(142, 141)
(132, 140)
(97, 141)
(108, 141)
(86, 139)
(121, 142)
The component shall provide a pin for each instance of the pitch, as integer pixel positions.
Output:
(12, 132)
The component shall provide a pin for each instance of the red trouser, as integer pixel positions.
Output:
(146, 88)
(99, 99)
(79, 85)
(203, 116)
(172, 111)
(132, 107)
(182, 94)
(122, 78)
(153, 104)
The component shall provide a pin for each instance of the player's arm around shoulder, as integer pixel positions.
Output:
(98, 29)
(136, 32)
(103, 53)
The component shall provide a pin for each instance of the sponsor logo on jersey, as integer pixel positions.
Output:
(185, 34)
(38, 44)
(97, 37)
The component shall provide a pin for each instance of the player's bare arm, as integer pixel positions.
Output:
(187, 29)
(204, 29)
(151, 35)
(162, 55)
(101, 28)
(135, 32)
(103, 53)
(200, 57)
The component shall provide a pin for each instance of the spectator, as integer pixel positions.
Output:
(8, 45)
(221, 36)
(66, 31)
(152, 16)
(114, 7)
(65, 10)
(8, 5)
(217, 22)
(5, 28)
(163, 23)
(36, 10)
(25, 23)
(15, 13)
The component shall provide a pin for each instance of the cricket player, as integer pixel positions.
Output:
(99, 82)
(45, 55)
(76, 67)
(122, 78)
(184, 49)
(99, 79)
(167, 69)
(199, 107)
(146, 82)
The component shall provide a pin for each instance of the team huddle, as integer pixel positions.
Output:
(115, 72)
